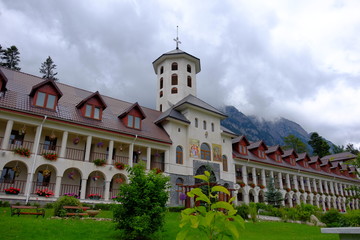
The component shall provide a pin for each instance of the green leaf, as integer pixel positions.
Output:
(209, 218)
(233, 230)
(182, 234)
(221, 204)
(232, 212)
(232, 199)
(202, 177)
(220, 189)
(207, 173)
(194, 221)
(203, 198)
(188, 211)
(201, 209)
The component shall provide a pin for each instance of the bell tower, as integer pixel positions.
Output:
(176, 77)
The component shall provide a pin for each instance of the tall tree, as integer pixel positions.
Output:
(350, 148)
(293, 142)
(273, 196)
(10, 58)
(320, 146)
(338, 148)
(47, 68)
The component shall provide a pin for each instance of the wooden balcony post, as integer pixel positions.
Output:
(63, 144)
(9, 126)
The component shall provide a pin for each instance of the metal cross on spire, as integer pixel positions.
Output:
(177, 38)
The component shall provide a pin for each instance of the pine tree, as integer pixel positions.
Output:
(273, 196)
(320, 146)
(10, 58)
(47, 68)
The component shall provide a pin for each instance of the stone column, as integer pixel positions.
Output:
(148, 158)
(263, 177)
(83, 189)
(254, 176)
(244, 174)
(57, 186)
(320, 186)
(167, 161)
(336, 188)
(308, 184)
(332, 187)
(272, 176)
(6, 139)
(288, 184)
(110, 155)
(341, 189)
(326, 187)
(88, 148)
(256, 198)
(63, 144)
(131, 155)
(314, 185)
(280, 181)
(302, 183)
(36, 139)
(246, 197)
(107, 190)
(295, 182)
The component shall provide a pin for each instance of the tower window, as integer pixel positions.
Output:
(205, 151)
(174, 90)
(189, 83)
(196, 123)
(161, 69)
(161, 93)
(188, 68)
(179, 155)
(212, 127)
(174, 66)
(160, 107)
(161, 83)
(174, 79)
(204, 125)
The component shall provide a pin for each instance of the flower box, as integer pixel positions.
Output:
(12, 191)
(99, 162)
(50, 156)
(25, 152)
(261, 186)
(44, 192)
(72, 195)
(120, 165)
(252, 185)
(95, 196)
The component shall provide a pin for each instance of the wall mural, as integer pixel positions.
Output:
(217, 155)
(194, 148)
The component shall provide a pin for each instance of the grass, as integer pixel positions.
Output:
(30, 227)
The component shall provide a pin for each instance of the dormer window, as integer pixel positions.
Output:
(45, 100)
(243, 150)
(134, 122)
(133, 116)
(92, 106)
(278, 158)
(92, 112)
(261, 154)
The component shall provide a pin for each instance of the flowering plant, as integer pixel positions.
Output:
(99, 162)
(44, 192)
(157, 170)
(12, 190)
(72, 195)
(100, 144)
(182, 196)
(76, 140)
(25, 152)
(294, 190)
(50, 156)
(301, 190)
(261, 186)
(242, 184)
(120, 165)
(288, 189)
(252, 185)
(95, 196)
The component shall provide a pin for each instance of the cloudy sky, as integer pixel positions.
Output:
(294, 59)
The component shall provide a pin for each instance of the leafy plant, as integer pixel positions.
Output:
(25, 152)
(120, 165)
(44, 192)
(143, 203)
(12, 190)
(214, 220)
(99, 162)
(64, 201)
(50, 156)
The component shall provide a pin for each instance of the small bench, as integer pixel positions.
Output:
(345, 233)
(27, 210)
(75, 210)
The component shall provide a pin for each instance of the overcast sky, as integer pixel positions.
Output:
(294, 59)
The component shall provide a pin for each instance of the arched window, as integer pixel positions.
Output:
(205, 151)
(160, 107)
(225, 163)
(161, 83)
(161, 93)
(196, 123)
(188, 68)
(174, 66)
(174, 90)
(189, 83)
(204, 125)
(179, 155)
(174, 79)
(212, 127)
(161, 70)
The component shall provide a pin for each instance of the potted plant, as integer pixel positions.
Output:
(25, 152)
(120, 165)
(12, 191)
(76, 140)
(50, 156)
(261, 186)
(301, 190)
(95, 196)
(99, 162)
(44, 192)
(157, 170)
(252, 185)
(294, 190)
(288, 189)
(100, 144)
(242, 184)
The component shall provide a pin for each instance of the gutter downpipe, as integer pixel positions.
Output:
(37, 143)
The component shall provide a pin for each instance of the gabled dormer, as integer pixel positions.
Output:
(290, 157)
(303, 160)
(315, 163)
(275, 153)
(344, 169)
(335, 167)
(325, 165)
(45, 95)
(92, 106)
(258, 148)
(240, 145)
(352, 172)
(133, 116)
(3, 82)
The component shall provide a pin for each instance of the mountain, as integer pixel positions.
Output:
(271, 132)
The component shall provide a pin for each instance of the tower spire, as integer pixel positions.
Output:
(177, 38)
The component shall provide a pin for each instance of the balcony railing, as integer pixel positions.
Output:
(96, 155)
(23, 144)
(96, 190)
(46, 148)
(75, 154)
(68, 188)
(42, 186)
(122, 159)
(21, 184)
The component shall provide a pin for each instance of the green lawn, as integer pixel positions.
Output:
(30, 227)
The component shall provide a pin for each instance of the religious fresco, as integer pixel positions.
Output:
(217, 155)
(194, 148)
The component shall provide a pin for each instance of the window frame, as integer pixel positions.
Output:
(205, 154)
(188, 68)
(133, 122)
(174, 90)
(92, 111)
(189, 81)
(225, 163)
(174, 66)
(179, 155)
(174, 79)
(44, 103)
(50, 144)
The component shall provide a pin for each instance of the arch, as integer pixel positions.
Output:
(179, 155)
(14, 174)
(161, 83)
(302, 198)
(287, 200)
(188, 68)
(294, 200)
(174, 79)
(240, 195)
(95, 184)
(71, 182)
(174, 66)
(44, 178)
(189, 81)
(174, 90)
(252, 195)
(161, 69)
(117, 180)
(205, 151)
(261, 196)
(201, 170)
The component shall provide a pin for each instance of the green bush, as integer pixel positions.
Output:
(142, 212)
(49, 205)
(243, 211)
(332, 218)
(351, 219)
(176, 209)
(253, 212)
(64, 201)
(4, 204)
(104, 206)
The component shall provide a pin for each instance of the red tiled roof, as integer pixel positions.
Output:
(17, 99)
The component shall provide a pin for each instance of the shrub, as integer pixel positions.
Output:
(103, 206)
(243, 211)
(176, 209)
(332, 218)
(49, 205)
(253, 212)
(64, 201)
(142, 212)
(352, 218)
